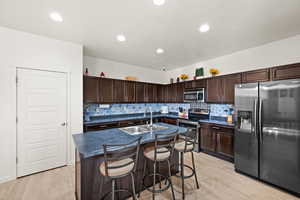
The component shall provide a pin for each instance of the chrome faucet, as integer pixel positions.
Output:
(151, 115)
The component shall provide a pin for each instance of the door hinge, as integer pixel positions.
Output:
(17, 119)
(17, 80)
(17, 160)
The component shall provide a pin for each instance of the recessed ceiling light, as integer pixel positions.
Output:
(159, 51)
(159, 2)
(56, 17)
(204, 28)
(121, 38)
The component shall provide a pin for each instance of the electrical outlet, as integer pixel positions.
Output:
(104, 106)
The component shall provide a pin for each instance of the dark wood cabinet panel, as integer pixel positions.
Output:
(229, 83)
(214, 90)
(160, 93)
(208, 138)
(140, 92)
(221, 89)
(180, 92)
(188, 84)
(256, 76)
(90, 89)
(200, 83)
(129, 91)
(172, 93)
(149, 93)
(286, 72)
(154, 90)
(119, 91)
(224, 141)
(106, 90)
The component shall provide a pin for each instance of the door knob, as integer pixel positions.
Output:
(64, 124)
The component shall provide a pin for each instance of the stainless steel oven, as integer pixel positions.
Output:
(193, 126)
(194, 95)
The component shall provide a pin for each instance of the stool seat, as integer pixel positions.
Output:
(122, 167)
(162, 153)
(180, 146)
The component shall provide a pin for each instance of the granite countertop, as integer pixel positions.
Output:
(219, 122)
(117, 118)
(90, 144)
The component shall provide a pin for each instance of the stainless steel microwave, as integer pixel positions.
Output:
(194, 95)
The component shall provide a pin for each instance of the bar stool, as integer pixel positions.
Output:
(184, 144)
(120, 160)
(161, 152)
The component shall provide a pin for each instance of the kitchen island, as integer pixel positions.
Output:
(89, 156)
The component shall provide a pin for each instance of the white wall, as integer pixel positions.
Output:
(276, 53)
(119, 70)
(19, 49)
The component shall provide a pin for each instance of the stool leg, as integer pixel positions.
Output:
(193, 161)
(154, 176)
(133, 186)
(182, 173)
(113, 189)
(159, 176)
(170, 176)
(144, 173)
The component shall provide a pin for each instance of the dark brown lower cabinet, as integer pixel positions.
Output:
(224, 141)
(208, 138)
(218, 140)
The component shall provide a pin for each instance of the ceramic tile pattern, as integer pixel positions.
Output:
(221, 110)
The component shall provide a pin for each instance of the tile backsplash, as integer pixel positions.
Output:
(118, 109)
(218, 110)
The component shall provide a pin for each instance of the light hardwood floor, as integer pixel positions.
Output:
(217, 179)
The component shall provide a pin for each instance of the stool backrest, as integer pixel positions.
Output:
(189, 138)
(165, 141)
(117, 152)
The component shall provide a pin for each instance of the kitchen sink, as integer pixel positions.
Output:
(137, 130)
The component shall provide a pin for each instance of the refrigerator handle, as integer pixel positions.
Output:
(260, 121)
(254, 129)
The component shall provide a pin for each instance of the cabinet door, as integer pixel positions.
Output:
(189, 84)
(201, 83)
(154, 90)
(160, 93)
(149, 93)
(214, 90)
(225, 141)
(256, 76)
(166, 93)
(208, 139)
(119, 91)
(106, 90)
(180, 91)
(286, 72)
(172, 93)
(140, 92)
(90, 89)
(129, 91)
(229, 85)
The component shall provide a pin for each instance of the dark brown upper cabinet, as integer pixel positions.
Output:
(286, 72)
(119, 91)
(229, 82)
(260, 75)
(214, 90)
(221, 89)
(129, 91)
(106, 90)
(154, 90)
(200, 83)
(189, 84)
(180, 91)
(140, 92)
(160, 93)
(90, 89)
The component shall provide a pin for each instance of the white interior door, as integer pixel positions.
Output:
(41, 120)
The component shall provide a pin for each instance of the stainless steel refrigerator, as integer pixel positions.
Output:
(267, 132)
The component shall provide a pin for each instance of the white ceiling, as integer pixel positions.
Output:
(235, 25)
